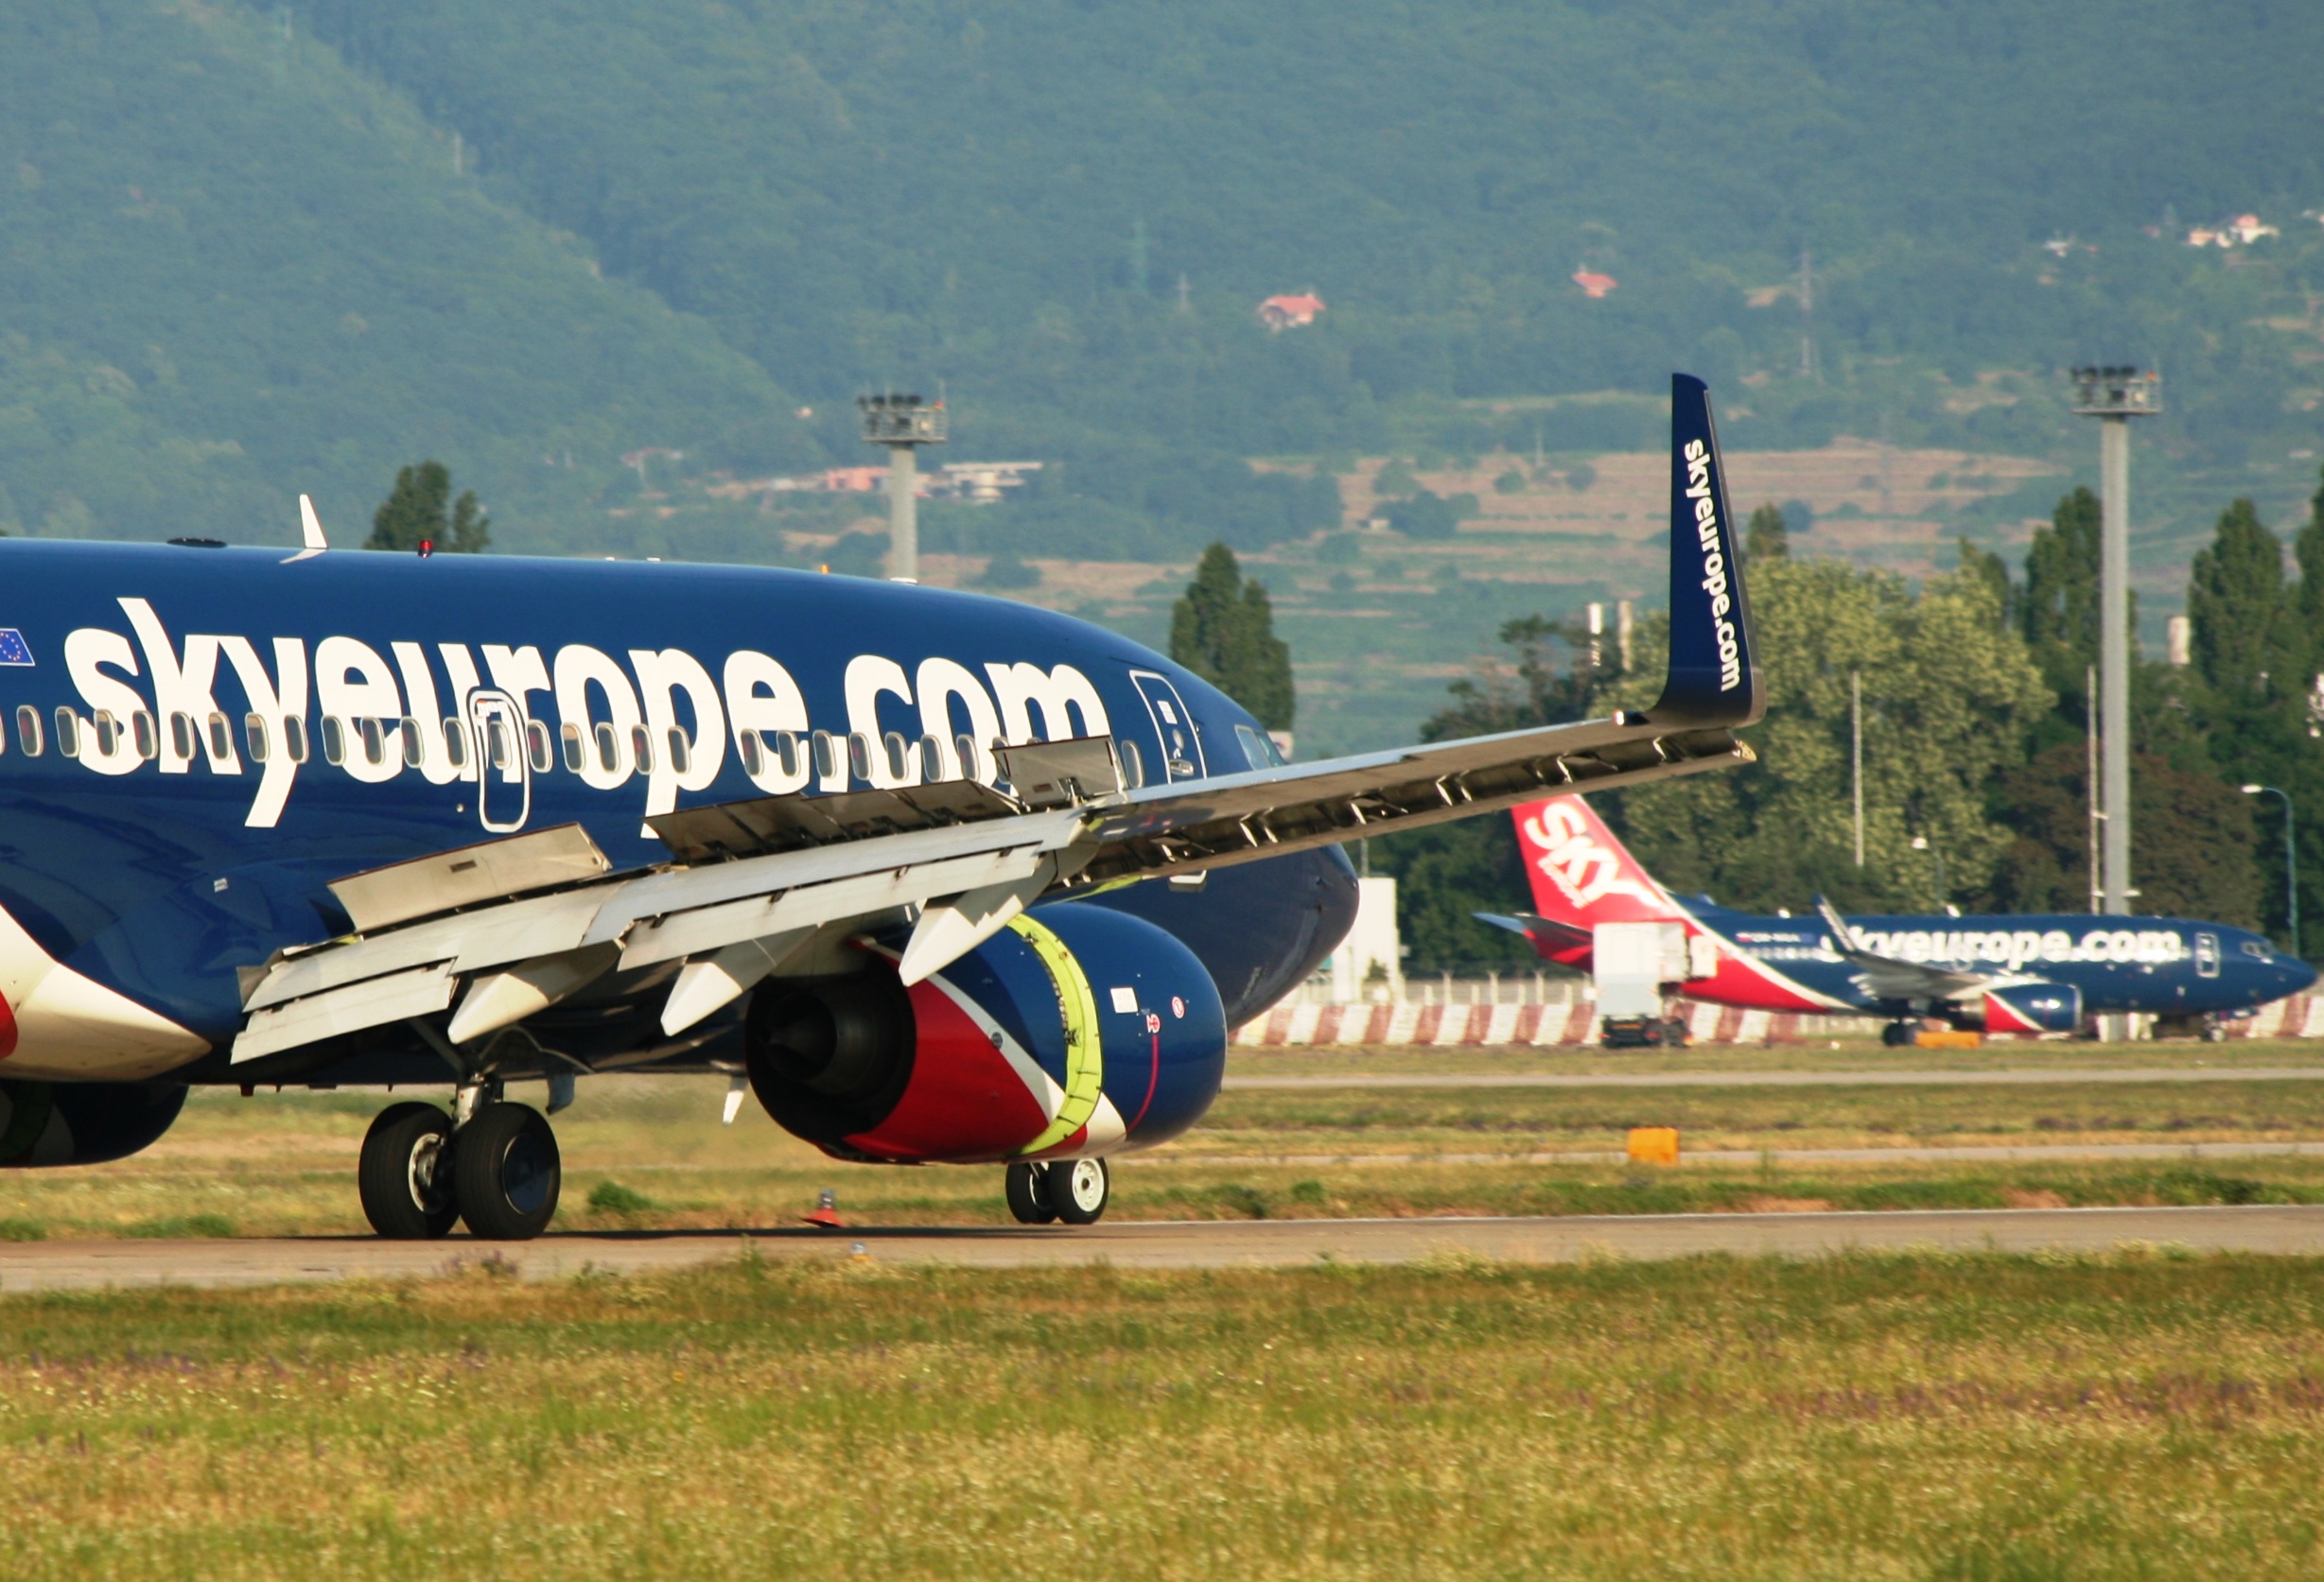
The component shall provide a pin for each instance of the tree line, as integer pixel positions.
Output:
(1976, 711)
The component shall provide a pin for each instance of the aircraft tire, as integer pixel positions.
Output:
(405, 1173)
(1897, 1036)
(506, 1173)
(1027, 1190)
(1080, 1188)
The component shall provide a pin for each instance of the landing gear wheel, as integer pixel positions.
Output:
(404, 1176)
(1675, 1032)
(1079, 1187)
(1896, 1035)
(506, 1173)
(1027, 1190)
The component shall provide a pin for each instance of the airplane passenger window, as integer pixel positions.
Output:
(108, 732)
(754, 755)
(68, 733)
(29, 730)
(146, 735)
(608, 748)
(254, 737)
(294, 737)
(334, 741)
(414, 749)
(827, 756)
(641, 749)
(182, 735)
(455, 744)
(496, 738)
(899, 755)
(859, 757)
(221, 738)
(1133, 763)
(367, 730)
(572, 747)
(970, 768)
(681, 751)
(932, 759)
(537, 744)
(789, 754)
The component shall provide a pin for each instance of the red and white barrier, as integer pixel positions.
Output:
(1451, 1026)
(1309, 1026)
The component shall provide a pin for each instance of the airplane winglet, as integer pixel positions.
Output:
(1714, 678)
(310, 527)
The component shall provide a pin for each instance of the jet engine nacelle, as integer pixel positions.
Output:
(44, 1124)
(2032, 1008)
(1075, 1030)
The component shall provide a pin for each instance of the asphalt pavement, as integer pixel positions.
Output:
(1874, 1077)
(1210, 1244)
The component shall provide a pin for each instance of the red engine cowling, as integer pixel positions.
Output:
(1076, 1029)
(2032, 1008)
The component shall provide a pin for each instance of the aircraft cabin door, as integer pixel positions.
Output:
(504, 771)
(1174, 728)
(2206, 955)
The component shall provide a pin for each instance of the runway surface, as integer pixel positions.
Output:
(1976, 1153)
(1879, 1077)
(90, 1265)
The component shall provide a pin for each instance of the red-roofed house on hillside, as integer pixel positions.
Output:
(1291, 312)
(1594, 283)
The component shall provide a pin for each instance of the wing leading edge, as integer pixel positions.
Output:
(751, 883)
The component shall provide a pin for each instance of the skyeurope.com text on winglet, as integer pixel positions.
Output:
(1714, 676)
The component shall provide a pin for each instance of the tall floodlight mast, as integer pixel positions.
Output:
(903, 423)
(2114, 396)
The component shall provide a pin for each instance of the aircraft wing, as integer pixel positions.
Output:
(1890, 979)
(493, 932)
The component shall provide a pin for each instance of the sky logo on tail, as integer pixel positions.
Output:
(1563, 847)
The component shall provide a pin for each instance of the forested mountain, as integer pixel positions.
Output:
(252, 248)
(1005, 197)
(231, 269)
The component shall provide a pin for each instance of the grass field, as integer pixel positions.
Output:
(650, 1154)
(1970, 1420)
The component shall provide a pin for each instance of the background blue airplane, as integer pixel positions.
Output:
(1995, 973)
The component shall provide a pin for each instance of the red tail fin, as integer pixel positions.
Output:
(1580, 872)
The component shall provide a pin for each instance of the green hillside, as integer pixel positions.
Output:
(234, 269)
(254, 249)
(1006, 198)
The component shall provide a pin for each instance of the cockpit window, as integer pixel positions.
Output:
(1258, 748)
(2256, 947)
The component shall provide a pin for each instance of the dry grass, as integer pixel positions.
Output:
(648, 1153)
(1909, 1418)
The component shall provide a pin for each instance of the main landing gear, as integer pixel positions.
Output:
(500, 1171)
(1073, 1191)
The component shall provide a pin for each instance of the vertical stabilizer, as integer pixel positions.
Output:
(1580, 874)
(1713, 674)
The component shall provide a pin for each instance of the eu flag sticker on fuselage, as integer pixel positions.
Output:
(14, 648)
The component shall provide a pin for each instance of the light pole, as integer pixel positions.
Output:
(2114, 396)
(2291, 861)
